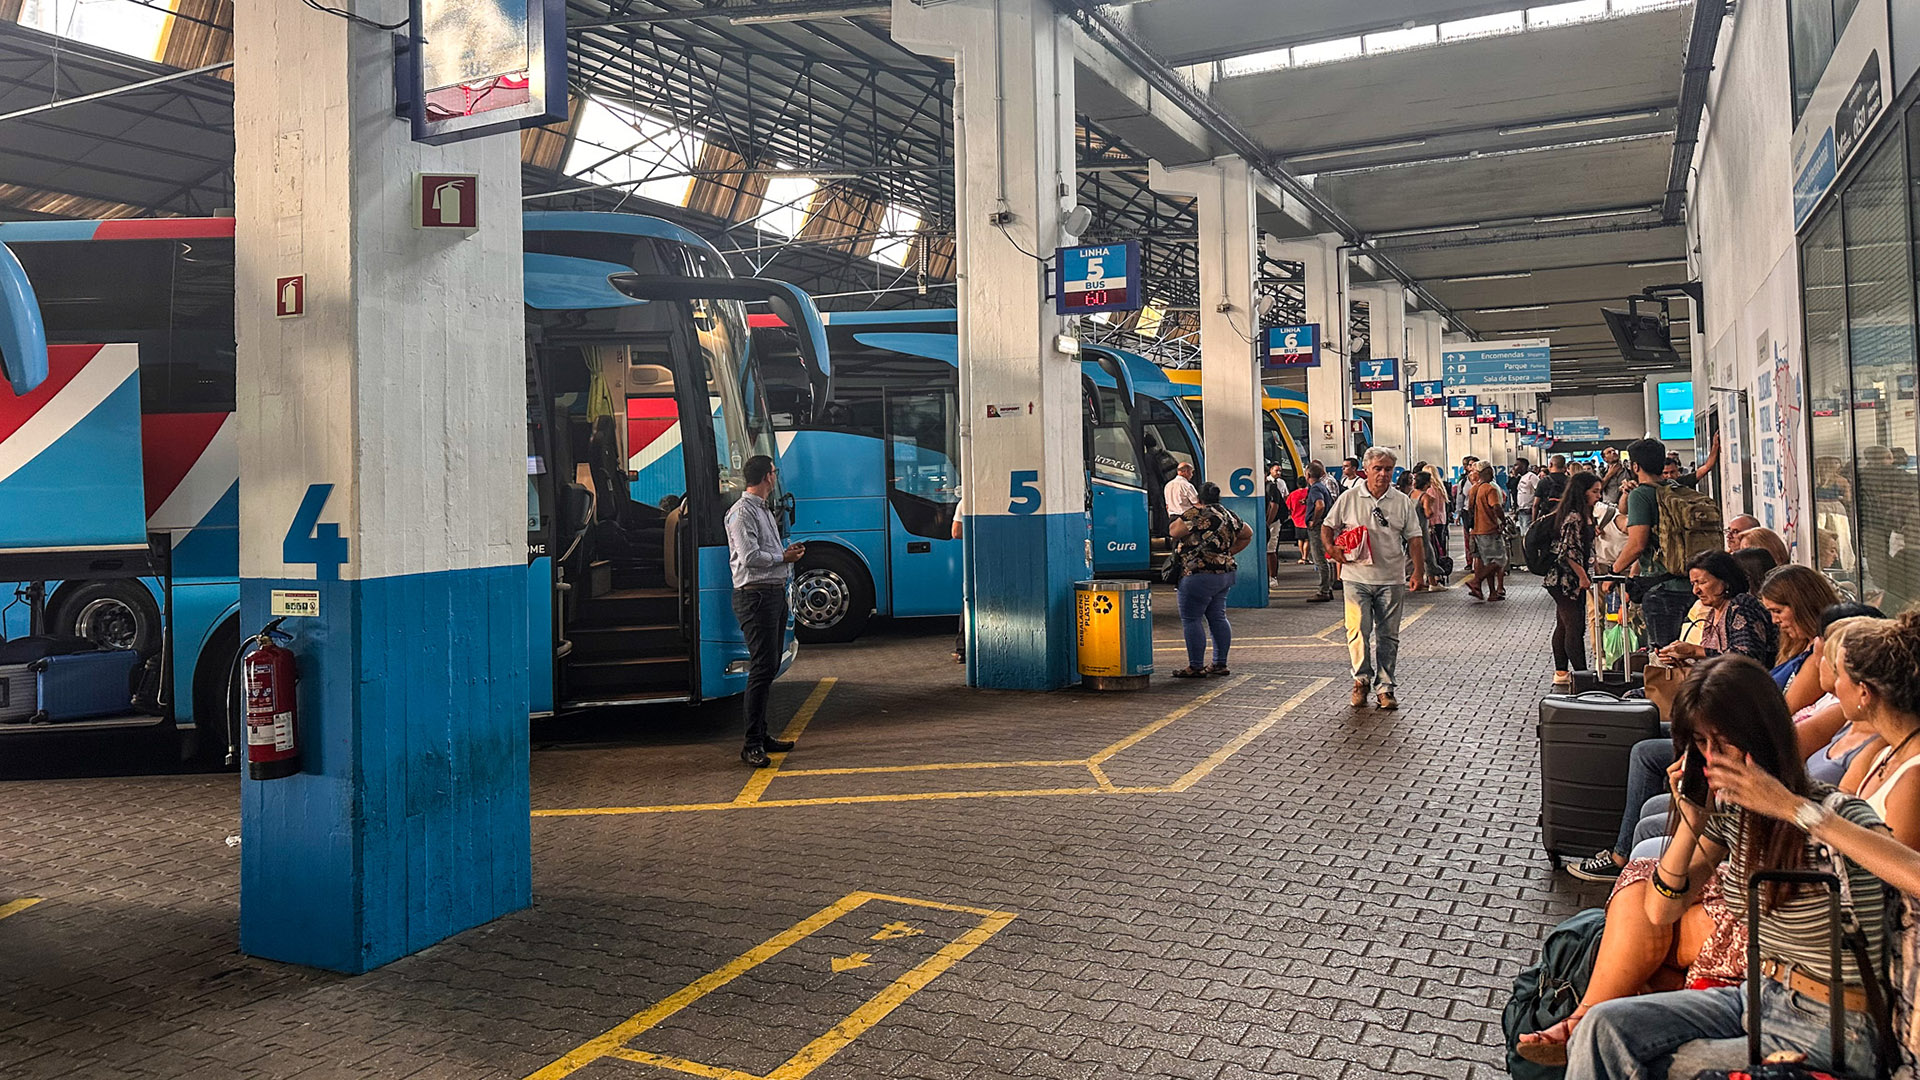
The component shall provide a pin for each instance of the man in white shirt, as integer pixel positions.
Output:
(1180, 494)
(1376, 591)
(1526, 489)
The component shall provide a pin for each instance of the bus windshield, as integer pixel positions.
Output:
(741, 426)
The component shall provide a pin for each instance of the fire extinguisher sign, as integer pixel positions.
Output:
(446, 201)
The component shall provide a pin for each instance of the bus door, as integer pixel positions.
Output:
(1119, 497)
(923, 494)
(1166, 444)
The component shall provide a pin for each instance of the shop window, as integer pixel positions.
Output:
(1880, 349)
(1824, 281)
(1813, 27)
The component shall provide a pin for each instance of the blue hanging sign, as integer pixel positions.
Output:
(464, 69)
(1377, 374)
(1504, 421)
(1293, 346)
(1429, 393)
(1098, 277)
(1504, 366)
(1460, 405)
(1579, 429)
(1486, 414)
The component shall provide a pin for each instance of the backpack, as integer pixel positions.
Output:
(1297, 507)
(1689, 524)
(1542, 539)
(1549, 991)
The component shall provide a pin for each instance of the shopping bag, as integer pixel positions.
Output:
(1355, 543)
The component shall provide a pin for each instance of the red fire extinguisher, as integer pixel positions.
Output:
(273, 744)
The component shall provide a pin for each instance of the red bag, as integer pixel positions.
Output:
(1357, 545)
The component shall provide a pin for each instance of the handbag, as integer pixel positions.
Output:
(1663, 681)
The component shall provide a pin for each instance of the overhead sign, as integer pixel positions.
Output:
(1486, 414)
(1429, 393)
(1377, 374)
(1293, 346)
(1504, 366)
(1460, 405)
(446, 201)
(1505, 421)
(1580, 429)
(1098, 277)
(478, 67)
(1852, 91)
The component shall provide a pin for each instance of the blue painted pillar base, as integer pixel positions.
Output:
(1250, 580)
(409, 820)
(1020, 628)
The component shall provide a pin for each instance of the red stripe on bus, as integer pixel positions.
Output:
(63, 363)
(764, 322)
(170, 444)
(164, 229)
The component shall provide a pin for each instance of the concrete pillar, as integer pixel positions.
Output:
(382, 442)
(1428, 427)
(1025, 473)
(1329, 386)
(1230, 391)
(1387, 336)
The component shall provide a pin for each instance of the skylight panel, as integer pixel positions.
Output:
(621, 145)
(1253, 63)
(1561, 14)
(784, 207)
(1505, 22)
(1326, 52)
(1411, 37)
(120, 25)
(896, 243)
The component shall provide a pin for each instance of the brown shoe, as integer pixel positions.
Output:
(1359, 694)
(1386, 701)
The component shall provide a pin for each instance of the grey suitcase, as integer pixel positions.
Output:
(1586, 741)
(18, 701)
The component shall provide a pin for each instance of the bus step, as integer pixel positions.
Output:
(628, 642)
(98, 723)
(639, 577)
(629, 607)
(599, 578)
(600, 678)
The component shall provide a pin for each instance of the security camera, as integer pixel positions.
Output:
(1076, 221)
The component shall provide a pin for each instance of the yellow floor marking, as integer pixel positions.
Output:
(1214, 760)
(761, 778)
(1100, 776)
(15, 907)
(834, 800)
(1106, 755)
(613, 1042)
(936, 767)
(850, 962)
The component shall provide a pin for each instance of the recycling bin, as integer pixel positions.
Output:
(1114, 620)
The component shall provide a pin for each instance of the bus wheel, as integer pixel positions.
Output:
(832, 597)
(111, 614)
(216, 701)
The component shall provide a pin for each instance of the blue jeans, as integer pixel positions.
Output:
(1638, 1038)
(1646, 777)
(1665, 611)
(1203, 607)
(1373, 631)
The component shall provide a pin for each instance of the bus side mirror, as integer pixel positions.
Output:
(788, 508)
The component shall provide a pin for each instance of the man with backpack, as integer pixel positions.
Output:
(1550, 486)
(1667, 525)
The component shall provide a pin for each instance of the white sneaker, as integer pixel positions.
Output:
(1273, 583)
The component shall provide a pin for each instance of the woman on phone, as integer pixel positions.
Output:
(1730, 710)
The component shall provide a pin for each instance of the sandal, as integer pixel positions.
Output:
(1551, 1048)
(1474, 591)
(1217, 669)
(1190, 673)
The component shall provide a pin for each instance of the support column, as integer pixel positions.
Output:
(1428, 427)
(1024, 471)
(383, 470)
(1230, 391)
(1329, 386)
(1387, 336)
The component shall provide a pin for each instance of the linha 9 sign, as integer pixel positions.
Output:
(480, 67)
(1460, 405)
(1098, 277)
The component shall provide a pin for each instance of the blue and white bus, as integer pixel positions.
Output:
(119, 472)
(875, 474)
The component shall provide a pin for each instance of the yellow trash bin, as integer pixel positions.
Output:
(1114, 620)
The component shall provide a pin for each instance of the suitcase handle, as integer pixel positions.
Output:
(1836, 1009)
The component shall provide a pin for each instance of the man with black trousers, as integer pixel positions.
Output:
(1664, 605)
(760, 558)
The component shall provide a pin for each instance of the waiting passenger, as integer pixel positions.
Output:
(1180, 495)
(1759, 536)
(1734, 619)
(1569, 580)
(1664, 606)
(760, 560)
(1489, 545)
(1794, 597)
(1206, 538)
(1729, 711)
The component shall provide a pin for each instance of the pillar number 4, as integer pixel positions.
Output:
(310, 541)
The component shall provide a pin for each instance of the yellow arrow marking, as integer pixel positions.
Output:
(895, 930)
(851, 961)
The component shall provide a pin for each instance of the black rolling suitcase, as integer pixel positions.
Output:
(1878, 1002)
(1586, 742)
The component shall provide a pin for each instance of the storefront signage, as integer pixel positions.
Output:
(1504, 366)
(1849, 97)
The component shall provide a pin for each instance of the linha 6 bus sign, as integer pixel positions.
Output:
(1293, 346)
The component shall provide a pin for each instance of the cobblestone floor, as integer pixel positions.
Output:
(1223, 878)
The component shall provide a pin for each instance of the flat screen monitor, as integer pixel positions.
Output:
(1642, 335)
(1676, 411)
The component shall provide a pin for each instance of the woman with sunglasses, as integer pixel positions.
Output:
(1729, 710)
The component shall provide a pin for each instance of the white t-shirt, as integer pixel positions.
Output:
(1524, 496)
(1355, 506)
(1181, 496)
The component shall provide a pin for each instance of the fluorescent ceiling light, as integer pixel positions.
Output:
(1492, 277)
(1656, 262)
(1580, 122)
(805, 16)
(1425, 231)
(1355, 151)
(1586, 214)
(1503, 310)
(1536, 330)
